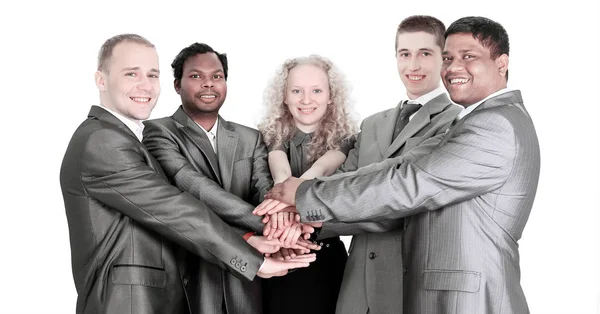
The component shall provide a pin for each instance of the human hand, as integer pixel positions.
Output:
(264, 245)
(278, 222)
(273, 267)
(272, 205)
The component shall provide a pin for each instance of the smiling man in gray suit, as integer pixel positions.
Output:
(130, 229)
(469, 199)
(222, 163)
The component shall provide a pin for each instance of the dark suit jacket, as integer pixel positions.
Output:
(232, 183)
(129, 227)
(469, 199)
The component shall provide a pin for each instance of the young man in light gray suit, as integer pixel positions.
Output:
(469, 199)
(131, 230)
(222, 163)
(374, 271)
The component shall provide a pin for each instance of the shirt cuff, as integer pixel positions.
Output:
(248, 235)
(263, 263)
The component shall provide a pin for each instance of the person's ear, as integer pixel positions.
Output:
(502, 63)
(100, 78)
(177, 85)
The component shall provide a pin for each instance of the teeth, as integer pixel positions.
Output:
(307, 110)
(458, 81)
(415, 78)
(208, 96)
(140, 99)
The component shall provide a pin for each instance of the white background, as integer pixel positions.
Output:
(48, 58)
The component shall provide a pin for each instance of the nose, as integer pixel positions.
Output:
(208, 82)
(145, 84)
(306, 99)
(455, 65)
(414, 64)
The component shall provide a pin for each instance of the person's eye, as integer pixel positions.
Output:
(316, 91)
(446, 59)
(153, 75)
(468, 57)
(217, 76)
(195, 76)
(426, 54)
(132, 74)
(295, 91)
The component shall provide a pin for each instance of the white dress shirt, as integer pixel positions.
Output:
(136, 126)
(472, 107)
(212, 134)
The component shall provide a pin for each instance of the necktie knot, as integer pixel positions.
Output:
(408, 109)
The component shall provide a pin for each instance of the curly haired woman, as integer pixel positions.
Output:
(308, 132)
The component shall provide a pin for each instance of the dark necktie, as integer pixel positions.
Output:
(406, 111)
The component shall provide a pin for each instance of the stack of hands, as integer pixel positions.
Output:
(285, 240)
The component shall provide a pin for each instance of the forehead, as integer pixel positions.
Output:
(131, 54)
(307, 74)
(203, 62)
(462, 42)
(416, 40)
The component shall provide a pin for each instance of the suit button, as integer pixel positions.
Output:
(233, 261)
(185, 281)
(405, 270)
(243, 268)
(237, 265)
(321, 217)
(372, 255)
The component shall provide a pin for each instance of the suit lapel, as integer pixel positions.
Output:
(420, 120)
(227, 141)
(385, 129)
(198, 137)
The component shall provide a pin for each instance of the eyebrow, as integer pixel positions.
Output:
(420, 49)
(200, 71)
(137, 69)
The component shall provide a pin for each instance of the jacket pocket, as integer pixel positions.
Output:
(455, 280)
(139, 275)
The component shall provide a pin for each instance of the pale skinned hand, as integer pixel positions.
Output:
(264, 245)
(273, 267)
(278, 222)
(274, 205)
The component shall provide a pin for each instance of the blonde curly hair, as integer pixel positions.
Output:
(335, 126)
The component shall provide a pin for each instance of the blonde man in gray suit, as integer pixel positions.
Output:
(469, 199)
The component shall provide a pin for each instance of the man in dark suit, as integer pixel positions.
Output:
(222, 163)
(469, 199)
(131, 230)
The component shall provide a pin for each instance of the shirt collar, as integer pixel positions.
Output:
(213, 130)
(428, 97)
(136, 126)
(472, 107)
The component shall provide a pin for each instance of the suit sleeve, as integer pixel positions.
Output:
(116, 173)
(334, 229)
(229, 207)
(261, 175)
(477, 158)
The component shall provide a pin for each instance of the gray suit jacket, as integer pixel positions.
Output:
(232, 183)
(374, 271)
(469, 199)
(129, 227)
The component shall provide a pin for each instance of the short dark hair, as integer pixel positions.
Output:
(490, 34)
(192, 50)
(109, 45)
(423, 23)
